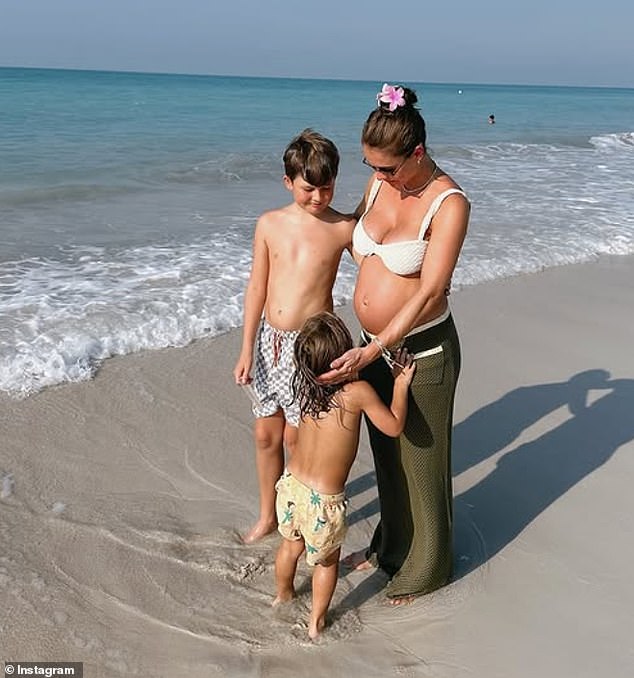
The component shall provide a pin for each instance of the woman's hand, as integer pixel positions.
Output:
(346, 365)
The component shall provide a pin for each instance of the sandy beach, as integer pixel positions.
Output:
(122, 499)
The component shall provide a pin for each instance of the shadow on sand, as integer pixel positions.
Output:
(530, 477)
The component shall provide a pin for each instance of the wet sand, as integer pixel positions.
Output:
(123, 497)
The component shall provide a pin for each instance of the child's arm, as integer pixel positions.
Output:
(391, 421)
(254, 299)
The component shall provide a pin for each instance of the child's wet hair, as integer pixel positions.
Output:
(323, 338)
(313, 157)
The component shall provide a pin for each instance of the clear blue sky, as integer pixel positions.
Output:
(567, 42)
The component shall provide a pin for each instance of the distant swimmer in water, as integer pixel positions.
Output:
(491, 119)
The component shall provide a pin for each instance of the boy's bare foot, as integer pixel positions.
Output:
(357, 561)
(315, 627)
(258, 531)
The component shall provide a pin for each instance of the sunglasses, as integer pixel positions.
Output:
(388, 171)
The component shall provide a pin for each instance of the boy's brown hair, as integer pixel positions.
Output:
(313, 157)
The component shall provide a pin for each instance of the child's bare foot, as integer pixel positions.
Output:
(259, 531)
(284, 597)
(357, 561)
(315, 627)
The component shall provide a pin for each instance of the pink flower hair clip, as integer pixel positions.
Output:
(392, 95)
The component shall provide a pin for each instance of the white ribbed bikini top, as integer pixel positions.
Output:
(404, 257)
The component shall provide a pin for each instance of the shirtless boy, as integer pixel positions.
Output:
(311, 505)
(296, 254)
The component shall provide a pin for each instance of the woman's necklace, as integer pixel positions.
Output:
(413, 191)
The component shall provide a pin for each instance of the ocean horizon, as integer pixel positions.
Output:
(201, 74)
(128, 200)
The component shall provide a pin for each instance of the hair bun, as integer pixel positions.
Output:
(393, 97)
(410, 96)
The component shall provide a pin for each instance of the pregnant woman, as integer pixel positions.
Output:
(411, 225)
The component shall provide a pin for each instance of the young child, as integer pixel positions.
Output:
(311, 506)
(296, 254)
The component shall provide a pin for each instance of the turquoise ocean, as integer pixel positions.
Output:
(128, 201)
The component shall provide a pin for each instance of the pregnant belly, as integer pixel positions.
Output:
(380, 294)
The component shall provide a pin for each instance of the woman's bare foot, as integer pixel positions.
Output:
(400, 600)
(357, 561)
(315, 627)
(259, 531)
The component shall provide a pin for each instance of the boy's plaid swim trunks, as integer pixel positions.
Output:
(274, 369)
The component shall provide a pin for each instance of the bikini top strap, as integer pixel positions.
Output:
(374, 189)
(434, 207)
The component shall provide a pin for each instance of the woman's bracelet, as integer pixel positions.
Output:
(379, 343)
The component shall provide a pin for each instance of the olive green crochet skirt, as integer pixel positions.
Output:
(413, 540)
